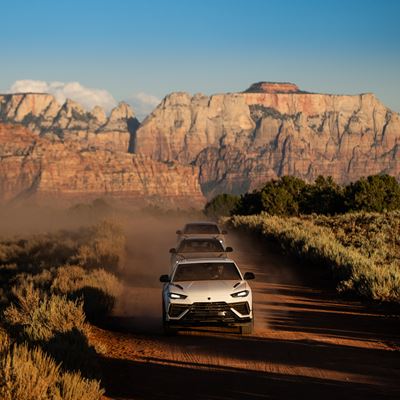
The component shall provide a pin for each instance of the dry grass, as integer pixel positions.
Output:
(354, 270)
(47, 307)
(39, 317)
(97, 288)
(30, 374)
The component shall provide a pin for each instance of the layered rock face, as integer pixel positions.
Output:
(273, 87)
(48, 169)
(240, 140)
(228, 142)
(43, 115)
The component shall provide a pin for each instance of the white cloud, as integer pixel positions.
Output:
(143, 104)
(87, 97)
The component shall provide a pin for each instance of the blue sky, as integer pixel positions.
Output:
(156, 47)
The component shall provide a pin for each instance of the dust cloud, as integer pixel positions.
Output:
(23, 220)
(149, 238)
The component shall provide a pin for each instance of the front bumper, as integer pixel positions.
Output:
(209, 313)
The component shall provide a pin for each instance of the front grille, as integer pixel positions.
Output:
(175, 310)
(210, 312)
(242, 308)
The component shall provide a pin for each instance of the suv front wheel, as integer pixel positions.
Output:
(247, 329)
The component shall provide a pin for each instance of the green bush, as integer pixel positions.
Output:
(376, 193)
(292, 196)
(30, 374)
(221, 205)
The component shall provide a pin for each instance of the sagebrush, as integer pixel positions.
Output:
(351, 265)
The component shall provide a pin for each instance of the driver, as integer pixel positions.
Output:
(216, 271)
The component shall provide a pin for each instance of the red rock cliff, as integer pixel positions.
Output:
(52, 170)
(240, 140)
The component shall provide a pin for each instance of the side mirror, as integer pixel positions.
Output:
(248, 276)
(229, 249)
(164, 278)
(172, 251)
(224, 232)
(179, 232)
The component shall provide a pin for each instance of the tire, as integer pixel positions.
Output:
(247, 329)
(167, 329)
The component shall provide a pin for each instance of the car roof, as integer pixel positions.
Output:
(209, 236)
(204, 260)
(201, 223)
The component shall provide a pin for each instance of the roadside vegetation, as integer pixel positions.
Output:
(52, 286)
(291, 196)
(352, 232)
(340, 246)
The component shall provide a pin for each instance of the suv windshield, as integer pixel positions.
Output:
(201, 229)
(200, 246)
(206, 272)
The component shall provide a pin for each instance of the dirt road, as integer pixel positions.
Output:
(306, 344)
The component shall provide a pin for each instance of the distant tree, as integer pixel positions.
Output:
(248, 204)
(375, 193)
(323, 197)
(281, 197)
(278, 197)
(292, 196)
(221, 205)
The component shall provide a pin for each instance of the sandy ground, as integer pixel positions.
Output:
(307, 343)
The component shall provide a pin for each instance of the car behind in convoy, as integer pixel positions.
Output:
(208, 291)
(198, 247)
(201, 228)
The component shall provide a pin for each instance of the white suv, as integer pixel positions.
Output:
(201, 228)
(208, 291)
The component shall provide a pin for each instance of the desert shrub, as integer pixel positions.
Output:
(54, 323)
(71, 386)
(105, 247)
(73, 350)
(375, 235)
(30, 374)
(38, 251)
(4, 340)
(97, 288)
(221, 205)
(38, 317)
(27, 374)
(98, 246)
(352, 271)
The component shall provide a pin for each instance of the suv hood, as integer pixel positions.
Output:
(216, 290)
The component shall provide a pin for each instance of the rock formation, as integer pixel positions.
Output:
(234, 141)
(48, 169)
(43, 115)
(240, 140)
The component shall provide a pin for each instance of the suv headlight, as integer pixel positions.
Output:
(176, 296)
(242, 293)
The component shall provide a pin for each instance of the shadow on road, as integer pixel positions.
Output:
(308, 343)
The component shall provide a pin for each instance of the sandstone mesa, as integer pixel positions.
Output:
(230, 142)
